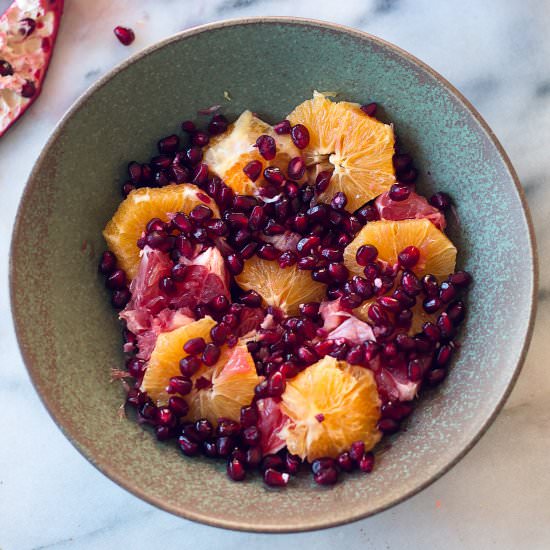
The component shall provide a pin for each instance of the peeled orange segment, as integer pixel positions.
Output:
(165, 359)
(233, 380)
(437, 252)
(126, 226)
(284, 288)
(330, 405)
(358, 148)
(230, 152)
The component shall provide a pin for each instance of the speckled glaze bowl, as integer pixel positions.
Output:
(69, 335)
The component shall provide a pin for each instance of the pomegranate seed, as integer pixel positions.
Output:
(338, 272)
(220, 333)
(28, 89)
(390, 350)
(423, 343)
(226, 196)
(276, 385)
(237, 220)
(219, 304)
(409, 257)
(399, 192)
(203, 429)
(307, 244)
(377, 314)
(289, 370)
(306, 355)
(410, 283)
(188, 126)
(282, 127)
(366, 464)
(266, 146)
(7, 70)
(155, 224)
(274, 175)
(200, 138)
(135, 172)
(369, 109)
(248, 250)
(161, 161)
(461, 279)
(200, 214)
(273, 228)
(282, 209)
(210, 355)
(292, 463)
(135, 367)
(306, 194)
(356, 355)
(251, 436)
(200, 174)
(163, 433)
(178, 406)
(274, 462)
(431, 288)
(179, 384)
(292, 191)
(322, 463)
(189, 366)
(322, 181)
(107, 263)
(235, 264)
(404, 319)
(125, 35)
(193, 155)
(249, 416)
(405, 300)
(445, 326)
(227, 427)
(371, 350)
(431, 331)
(431, 305)
(167, 285)
(300, 136)
(218, 125)
(307, 263)
(362, 287)
(127, 188)
(436, 376)
(120, 298)
(388, 426)
(209, 449)
(257, 218)
(366, 254)
(116, 280)
(402, 162)
(267, 252)
(253, 456)
(357, 450)
(368, 213)
(442, 201)
(321, 275)
(443, 356)
(235, 470)
(231, 320)
(414, 370)
(181, 221)
(148, 412)
(194, 346)
(180, 174)
(188, 446)
(345, 462)
(296, 168)
(158, 241)
(391, 304)
(352, 225)
(326, 476)
(224, 445)
(169, 144)
(456, 312)
(408, 176)
(166, 417)
(310, 309)
(273, 478)
(261, 390)
(404, 342)
(339, 201)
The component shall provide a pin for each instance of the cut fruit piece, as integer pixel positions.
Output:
(271, 421)
(343, 139)
(165, 359)
(127, 225)
(229, 153)
(437, 252)
(28, 31)
(284, 288)
(232, 382)
(330, 405)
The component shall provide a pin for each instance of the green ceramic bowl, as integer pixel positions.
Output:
(69, 335)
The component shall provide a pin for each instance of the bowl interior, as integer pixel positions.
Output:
(70, 337)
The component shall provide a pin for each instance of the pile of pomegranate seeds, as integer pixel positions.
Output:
(286, 223)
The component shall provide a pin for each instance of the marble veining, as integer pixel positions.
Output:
(497, 54)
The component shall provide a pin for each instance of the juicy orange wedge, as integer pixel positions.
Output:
(357, 148)
(127, 225)
(330, 405)
(230, 152)
(437, 252)
(284, 288)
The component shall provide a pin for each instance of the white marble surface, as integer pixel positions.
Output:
(497, 53)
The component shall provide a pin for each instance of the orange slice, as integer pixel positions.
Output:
(437, 252)
(330, 405)
(126, 226)
(165, 359)
(230, 152)
(284, 288)
(357, 148)
(233, 380)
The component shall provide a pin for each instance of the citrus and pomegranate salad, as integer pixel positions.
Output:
(285, 291)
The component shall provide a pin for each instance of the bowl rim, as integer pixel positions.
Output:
(107, 469)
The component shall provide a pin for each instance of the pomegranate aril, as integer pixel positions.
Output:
(282, 127)
(338, 272)
(366, 254)
(369, 109)
(447, 292)
(7, 70)
(440, 200)
(127, 188)
(189, 366)
(224, 445)
(267, 252)
(200, 138)
(28, 89)
(274, 478)
(235, 264)
(431, 331)
(436, 376)
(351, 301)
(276, 385)
(404, 342)
(266, 147)
(227, 427)
(390, 350)
(253, 456)
(256, 219)
(339, 201)
(405, 299)
(414, 370)
(410, 283)
(372, 349)
(164, 433)
(253, 170)
(300, 136)
(274, 175)
(116, 280)
(423, 343)
(445, 325)
(200, 174)
(125, 35)
(248, 250)
(326, 476)
(399, 192)
(178, 406)
(431, 305)
(169, 144)
(356, 355)
(306, 355)
(274, 228)
(135, 367)
(282, 209)
(200, 214)
(322, 181)
(167, 285)
(236, 470)
(456, 312)
(322, 463)
(166, 417)
(367, 213)
(431, 288)
(107, 263)
(296, 168)
(307, 244)
(217, 125)
(402, 162)
(345, 462)
(371, 271)
(251, 436)
(391, 304)
(366, 464)
(388, 426)
(321, 275)
(443, 355)
(188, 126)
(461, 279)
(377, 314)
(179, 384)
(409, 257)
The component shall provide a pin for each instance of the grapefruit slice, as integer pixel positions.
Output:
(358, 149)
